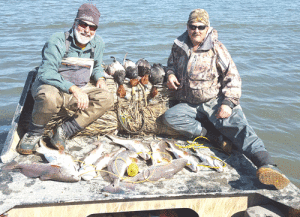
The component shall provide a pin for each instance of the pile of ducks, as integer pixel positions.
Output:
(140, 72)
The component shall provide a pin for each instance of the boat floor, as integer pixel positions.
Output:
(238, 180)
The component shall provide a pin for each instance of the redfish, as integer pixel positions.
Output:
(103, 161)
(57, 157)
(157, 172)
(117, 168)
(44, 171)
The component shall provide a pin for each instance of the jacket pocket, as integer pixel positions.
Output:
(200, 91)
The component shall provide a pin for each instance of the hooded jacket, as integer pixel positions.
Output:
(206, 73)
(53, 53)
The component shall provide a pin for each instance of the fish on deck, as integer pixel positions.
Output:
(192, 162)
(117, 168)
(57, 157)
(207, 160)
(44, 171)
(87, 169)
(159, 152)
(103, 161)
(162, 171)
(133, 145)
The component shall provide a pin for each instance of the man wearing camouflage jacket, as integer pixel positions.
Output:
(208, 86)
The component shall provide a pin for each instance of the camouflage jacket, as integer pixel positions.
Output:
(206, 73)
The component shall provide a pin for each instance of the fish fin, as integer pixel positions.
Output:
(113, 189)
(169, 176)
(166, 159)
(110, 137)
(185, 153)
(45, 177)
(144, 156)
(169, 149)
(127, 185)
(55, 166)
(135, 160)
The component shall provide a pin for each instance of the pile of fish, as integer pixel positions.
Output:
(62, 166)
(140, 72)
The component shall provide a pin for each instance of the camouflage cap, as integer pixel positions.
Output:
(199, 15)
(88, 12)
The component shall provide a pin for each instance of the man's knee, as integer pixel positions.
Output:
(48, 99)
(105, 99)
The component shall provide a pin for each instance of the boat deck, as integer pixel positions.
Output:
(207, 192)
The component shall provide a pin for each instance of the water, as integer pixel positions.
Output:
(261, 36)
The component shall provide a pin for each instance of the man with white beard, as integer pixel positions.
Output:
(69, 77)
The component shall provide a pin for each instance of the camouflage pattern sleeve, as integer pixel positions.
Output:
(231, 81)
(170, 64)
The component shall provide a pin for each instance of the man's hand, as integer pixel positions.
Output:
(102, 84)
(224, 111)
(82, 97)
(172, 82)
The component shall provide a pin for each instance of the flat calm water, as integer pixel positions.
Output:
(261, 36)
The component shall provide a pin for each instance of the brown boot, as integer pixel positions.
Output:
(58, 138)
(162, 129)
(220, 141)
(271, 175)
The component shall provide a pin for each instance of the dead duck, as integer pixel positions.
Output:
(118, 72)
(130, 68)
(144, 69)
(114, 66)
(157, 76)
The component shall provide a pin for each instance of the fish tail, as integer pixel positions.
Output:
(10, 166)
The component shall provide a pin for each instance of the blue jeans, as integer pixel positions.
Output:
(183, 118)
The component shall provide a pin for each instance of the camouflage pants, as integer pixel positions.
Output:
(48, 100)
(183, 118)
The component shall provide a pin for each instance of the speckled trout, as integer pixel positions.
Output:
(159, 152)
(133, 145)
(207, 160)
(192, 162)
(87, 169)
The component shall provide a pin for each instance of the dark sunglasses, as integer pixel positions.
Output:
(193, 27)
(84, 25)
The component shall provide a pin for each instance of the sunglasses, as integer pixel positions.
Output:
(193, 27)
(84, 25)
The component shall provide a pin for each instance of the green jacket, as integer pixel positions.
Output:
(53, 52)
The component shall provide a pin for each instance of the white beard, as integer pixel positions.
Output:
(81, 38)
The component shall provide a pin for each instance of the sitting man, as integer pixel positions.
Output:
(60, 83)
(208, 86)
